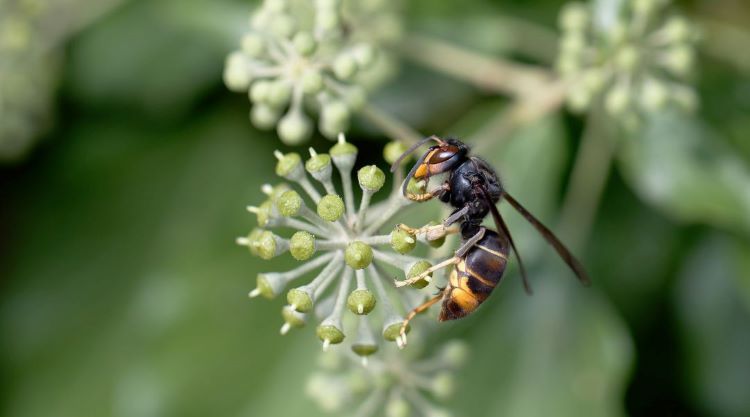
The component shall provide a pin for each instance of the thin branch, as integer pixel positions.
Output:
(490, 73)
(391, 126)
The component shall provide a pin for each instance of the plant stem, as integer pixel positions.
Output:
(391, 126)
(490, 73)
(587, 181)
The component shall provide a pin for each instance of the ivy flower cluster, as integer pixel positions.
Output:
(320, 55)
(352, 290)
(394, 385)
(632, 63)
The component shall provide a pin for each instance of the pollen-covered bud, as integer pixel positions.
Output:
(403, 241)
(330, 207)
(294, 128)
(259, 92)
(302, 245)
(279, 93)
(417, 268)
(291, 318)
(365, 344)
(393, 150)
(267, 245)
(371, 178)
(249, 239)
(358, 255)
(344, 154)
(301, 298)
(319, 166)
(267, 285)
(361, 301)
(289, 165)
(329, 332)
(289, 203)
(392, 328)
(617, 100)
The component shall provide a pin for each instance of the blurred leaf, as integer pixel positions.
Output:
(713, 319)
(680, 165)
(155, 56)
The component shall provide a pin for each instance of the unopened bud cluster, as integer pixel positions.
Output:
(631, 62)
(393, 385)
(339, 245)
(305, 57)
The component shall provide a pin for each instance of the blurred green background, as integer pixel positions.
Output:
(123, 293)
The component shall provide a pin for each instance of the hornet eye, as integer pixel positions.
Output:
(443, 154)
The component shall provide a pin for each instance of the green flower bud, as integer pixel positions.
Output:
(268, 285)
(304, 43)
(415, 187)
(252, 237)
(334, 118)
(361, 301)
(627, 58)
(289, 165)
(572, 44)
(318, 162)
(289, 203)
(436, 243)
(266, 245)
(330, 207)
(403, 241)
(274, 192)
(344, 67)
(574, 17)
(392, 328)
(364, 349)
(279, 94)
(358, 255)
(685, 98)
(294, 128)
(301, 298)
(327, 4)
(263, 116)
(645, 7)
(416, 269)
(312, 82)
(443, 385)
(327, 20)
(260, 91)
(253, 45)
(284, 25)
(397, 407)
(455, 353)
(364, 55)
(293, 318)
(617, 100)
(263, 213)
(344, 155)
(371, 178)
(329, 332)
(654, 95)
(236, 75)
(302, 245)
(677, 29)
(679, 60)
(276, 6)
(393, 150)
(578, 99)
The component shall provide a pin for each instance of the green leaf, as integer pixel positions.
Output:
(680, 165)
(713, 320)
